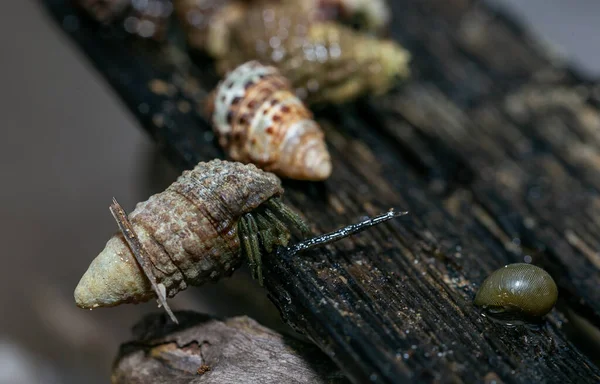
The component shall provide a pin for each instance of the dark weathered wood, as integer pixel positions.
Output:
(529, 142)
(205, 350)
(466, 148)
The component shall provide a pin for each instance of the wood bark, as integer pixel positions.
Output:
(205, 350)
(493, 146)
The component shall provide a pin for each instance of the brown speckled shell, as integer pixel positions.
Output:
(189, 232)
(259, 120)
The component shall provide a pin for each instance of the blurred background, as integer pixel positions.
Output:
(70, 146)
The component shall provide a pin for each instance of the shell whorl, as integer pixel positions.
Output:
(259, 120)
(324, 60)
(207, 22)
(189, 232)
(104, 11)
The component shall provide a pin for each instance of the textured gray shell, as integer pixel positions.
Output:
(189, 232)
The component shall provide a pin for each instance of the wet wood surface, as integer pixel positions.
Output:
(494, 148)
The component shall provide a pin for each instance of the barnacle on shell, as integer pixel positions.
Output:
(259, 120)
(324, 60)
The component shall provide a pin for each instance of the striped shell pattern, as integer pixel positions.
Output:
(258, 119)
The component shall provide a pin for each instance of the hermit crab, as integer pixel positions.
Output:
(259, 120)
(325, 61)
(197, 230)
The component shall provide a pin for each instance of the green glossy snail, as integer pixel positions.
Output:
(520, 292)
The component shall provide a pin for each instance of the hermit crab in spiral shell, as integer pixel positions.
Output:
(198, 230)
(145, 19)
(330, 50)
(324, 60)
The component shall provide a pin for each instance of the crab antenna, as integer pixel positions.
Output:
(344, 232)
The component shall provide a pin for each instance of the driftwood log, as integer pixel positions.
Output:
(494, 148)
(205, 350)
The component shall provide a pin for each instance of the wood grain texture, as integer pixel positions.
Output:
(205, 350)
(491, 166)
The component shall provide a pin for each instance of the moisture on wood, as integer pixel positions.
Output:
(493, 147)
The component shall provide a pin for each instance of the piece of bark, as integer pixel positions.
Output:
(205, 350)
(394, 303)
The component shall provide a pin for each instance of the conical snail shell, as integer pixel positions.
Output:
(104, 11)
(189, 232)
(207, 22)
(325, 61)
(259, 120)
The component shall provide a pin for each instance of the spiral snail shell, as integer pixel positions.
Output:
(193, 232)
(517, 292)
(259, 120)
(324, 60)
(104, 11)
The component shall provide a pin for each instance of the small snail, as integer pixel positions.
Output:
(517, 292)
(324, 60)
(146, 19)
(195, 231)
(259, 120)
